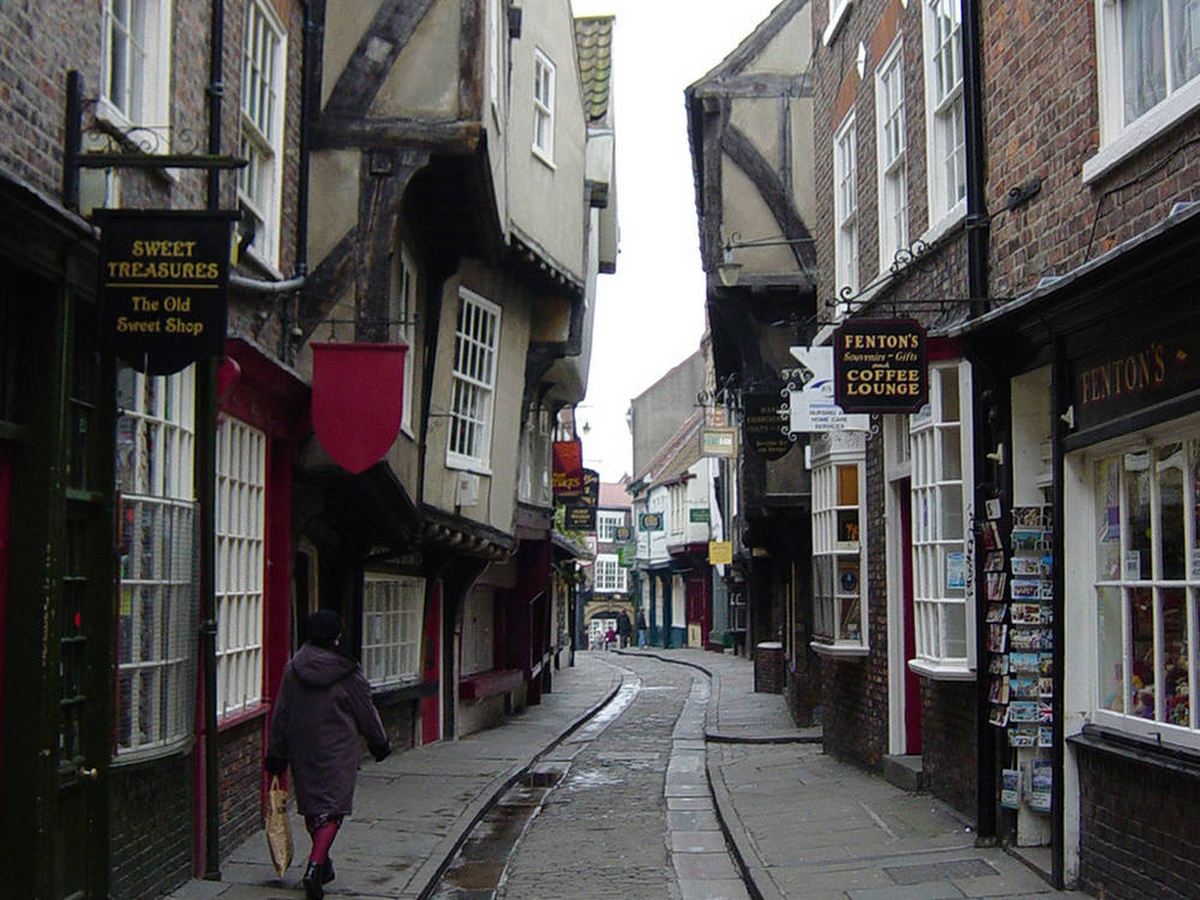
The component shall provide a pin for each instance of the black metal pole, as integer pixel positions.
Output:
(72, 141)
(1060, 390)
(978, 224)
(205, 468)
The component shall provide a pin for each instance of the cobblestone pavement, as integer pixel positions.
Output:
(613, 827)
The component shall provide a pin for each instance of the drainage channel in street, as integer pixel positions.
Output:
(477, 869)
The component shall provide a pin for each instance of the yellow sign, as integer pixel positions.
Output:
(720, 553)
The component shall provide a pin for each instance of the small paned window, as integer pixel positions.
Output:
(264, 76)
(156, 606)
(473, 380)
(240, 540)
(944, 106)
(839, 558)
(543, 106)
(607, 525)
(845, 175)
(610, 576)
(893, 169)
(135, 72)
(403, 328)
(393, 610)
(941, 491)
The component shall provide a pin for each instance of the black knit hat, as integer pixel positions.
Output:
(324, 627)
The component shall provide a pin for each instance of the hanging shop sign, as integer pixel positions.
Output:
(622, 534)
(1117, 382)
(650, 522)
(813, 408)
(566, 476)
(700, 514)
(627, 555)
(765, 419)
(357, 401)
(718, 442)
(879, 366)
(580, 512)
(720, 553)
(164, 285)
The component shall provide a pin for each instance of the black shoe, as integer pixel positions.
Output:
(328, 876)
(313, 881)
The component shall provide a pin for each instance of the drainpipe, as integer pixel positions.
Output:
(977, 232)
(977, 224)
(206, 424)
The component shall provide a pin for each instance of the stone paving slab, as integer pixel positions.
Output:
(411, 810)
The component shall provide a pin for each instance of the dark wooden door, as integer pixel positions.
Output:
(699, 609)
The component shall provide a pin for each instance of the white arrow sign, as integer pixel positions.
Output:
(812, 403)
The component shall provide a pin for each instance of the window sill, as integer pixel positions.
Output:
(1148, 128)
(945, 225)
(544, 158)
(176, 747)
(835, 24)
(260, 263)
(241, 716)
(459, 464)
(940, 671)
(488, 684)
(1170, 757)
(840, 649)
(402, 692)
(118, 125)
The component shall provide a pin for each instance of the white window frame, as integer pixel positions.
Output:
(473, 383)
(261, 114)
(945, 126)
(845, 204)
(892, 154)
(677, 496)
(610, 575)
(496, 55)
(607, 523)
(838, 11)
(1118, 139)
(148, 83)
(544, 90)
(404, 327)
(156, 655)
(241, 512)
(936, 486)
(1099, 577)
(834, 553)
(533, 483)
(393, 613)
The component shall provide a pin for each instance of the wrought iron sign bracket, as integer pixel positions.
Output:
(136, 147)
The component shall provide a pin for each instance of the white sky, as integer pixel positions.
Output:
(650, 314)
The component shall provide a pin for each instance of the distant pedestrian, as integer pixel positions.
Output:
(610, 637)
(624, 630)
(324, 705)
(643, 634)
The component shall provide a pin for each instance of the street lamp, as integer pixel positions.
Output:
(730, 271)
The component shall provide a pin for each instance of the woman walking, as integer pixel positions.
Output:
(324, 706)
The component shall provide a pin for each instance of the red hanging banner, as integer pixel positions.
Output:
(357, 401)
(567, 471)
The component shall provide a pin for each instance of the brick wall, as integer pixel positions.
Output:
(1139, 835)
(240, 755)
(948, 748)
(150, 822)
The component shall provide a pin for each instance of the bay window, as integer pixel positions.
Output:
(610, 576)
(156, 615)
(839, 544)
(942, 547)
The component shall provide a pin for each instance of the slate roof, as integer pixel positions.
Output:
(677, 455)
(593, 41)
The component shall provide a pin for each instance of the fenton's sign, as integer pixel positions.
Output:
(164, 284)
(879, 366)
(1114, 384)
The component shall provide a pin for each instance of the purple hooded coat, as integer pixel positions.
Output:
(324, 705)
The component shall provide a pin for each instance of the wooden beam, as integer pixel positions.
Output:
(344, 131)
(327, 282)
(761, 85)
(773, 191)
(470, 59)
(372, 60)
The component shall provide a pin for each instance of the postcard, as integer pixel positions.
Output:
(991, 536)
(1045, 736)
(992, 508)
(1023, 711)
(1047, 590)
(1027, 517)
(998, 665)
(1046, 664)
(1026, 613)
(998, 692)
(1045, 710)
(1010, 788)
(1030, 539)
(1023, 687)
(1027, 566)
(999, 715)
(1025, 589)
(1045, 686)
(1023, 662)
(996, 583)
(997, 638)
(1024, 638)
(995, 613)
(1022, 737)
(994, 561)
